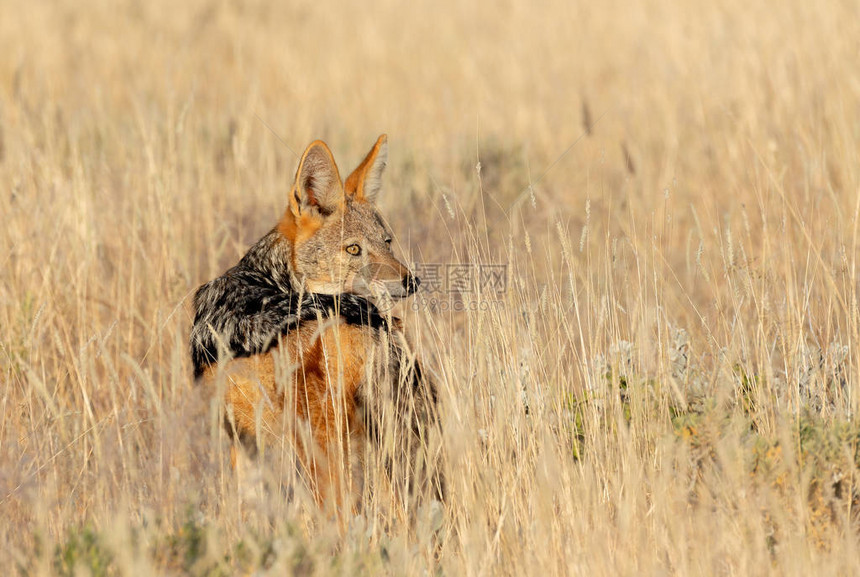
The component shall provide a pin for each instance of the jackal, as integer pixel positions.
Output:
(298, 340)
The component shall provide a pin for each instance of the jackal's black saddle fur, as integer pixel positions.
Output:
(243, 312)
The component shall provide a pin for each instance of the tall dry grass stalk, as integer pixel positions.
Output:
(668, 386)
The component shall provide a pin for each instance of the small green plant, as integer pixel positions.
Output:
(84, 550)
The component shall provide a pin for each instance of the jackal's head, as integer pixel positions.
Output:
(340, 243)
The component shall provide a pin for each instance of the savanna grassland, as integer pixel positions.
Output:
(668, 383)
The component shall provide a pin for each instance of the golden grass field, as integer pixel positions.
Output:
(669, 386)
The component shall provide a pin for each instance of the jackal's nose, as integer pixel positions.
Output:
(410, 283)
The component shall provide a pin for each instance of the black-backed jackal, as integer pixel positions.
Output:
(296, 337)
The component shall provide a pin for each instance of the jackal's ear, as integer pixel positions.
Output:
(317, 183)
(366, 180)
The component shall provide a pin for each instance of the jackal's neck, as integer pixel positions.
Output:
(270, 258)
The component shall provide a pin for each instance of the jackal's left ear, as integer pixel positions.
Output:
(366, 180)
(317, 183)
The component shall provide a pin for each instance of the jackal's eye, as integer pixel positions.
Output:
(388, 241)
(353, 249)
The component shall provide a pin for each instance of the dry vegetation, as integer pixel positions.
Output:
(670, 387)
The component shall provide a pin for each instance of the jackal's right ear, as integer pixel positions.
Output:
(318, 185)
(366, 180)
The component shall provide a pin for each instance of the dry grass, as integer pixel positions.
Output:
(671, 386)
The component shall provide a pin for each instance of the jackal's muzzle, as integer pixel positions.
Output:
(384, 283)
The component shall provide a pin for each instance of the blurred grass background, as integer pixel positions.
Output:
(669, 388)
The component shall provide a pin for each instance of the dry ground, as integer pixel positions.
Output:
(669, 386)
